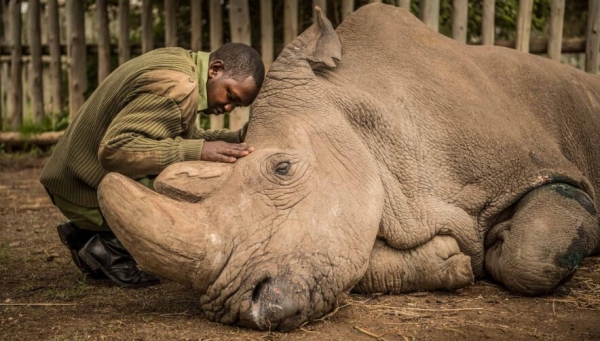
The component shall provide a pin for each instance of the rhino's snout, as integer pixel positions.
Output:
(276, 304)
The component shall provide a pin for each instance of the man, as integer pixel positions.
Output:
(141, 119)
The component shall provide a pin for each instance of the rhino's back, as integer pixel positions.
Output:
(488, 114)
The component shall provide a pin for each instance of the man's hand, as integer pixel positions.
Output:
(219, 151)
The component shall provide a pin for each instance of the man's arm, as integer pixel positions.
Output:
(144, 138)
(231, 136)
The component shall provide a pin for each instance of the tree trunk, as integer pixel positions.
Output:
(460, 12)
(430, 13)
(266, 32)
(322, 4)
(196, 19)
(55, 63)
(290, 21)
(103, 40)
(35, 42)
(124, 49)
(239, 19)
(488, 22)
(15, 116)
(170, 27)
(524, 25)
(591, 49)
(147, 36)
(347, 8)
(216, 40)
(77, 55)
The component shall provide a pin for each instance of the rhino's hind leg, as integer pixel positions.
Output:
(435, 265)
(551, 230)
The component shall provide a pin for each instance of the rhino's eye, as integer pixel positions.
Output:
(282, 168)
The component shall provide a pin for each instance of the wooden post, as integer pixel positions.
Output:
(460, 11)
(404, 4)
(524, 25)
(216, 40)
(3, 8)
(77, 55)
(55, 63)
(147, 35)
(103, 40)
(488, 22)
(266, 32)
(196, 19)
(4, 73)
(347, 8)
(290, 21)
(592, 39)
(216, 25)
(430, 13)
(124, 49)
(170, 27)
(322, 4)
(555, 34)
(239, 20)
(5, 94)
(35, 43)
(15, 115)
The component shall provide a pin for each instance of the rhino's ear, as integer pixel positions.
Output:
(318, 45)
(321, 43)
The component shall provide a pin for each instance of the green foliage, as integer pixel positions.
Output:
(47, 124)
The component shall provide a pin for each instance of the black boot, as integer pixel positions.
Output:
(105, 252)
(74, 239)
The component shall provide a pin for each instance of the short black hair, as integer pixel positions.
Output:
(240, 62)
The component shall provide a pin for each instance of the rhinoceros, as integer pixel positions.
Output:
(388, 159)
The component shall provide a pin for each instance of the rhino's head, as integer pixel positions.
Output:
(277, 238)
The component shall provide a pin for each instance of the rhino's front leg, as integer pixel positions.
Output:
(435, 265)
(550, 231)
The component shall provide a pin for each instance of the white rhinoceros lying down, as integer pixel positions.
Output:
(412, 162)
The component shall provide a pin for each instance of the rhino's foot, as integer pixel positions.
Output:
(550, 231)
(435, 265)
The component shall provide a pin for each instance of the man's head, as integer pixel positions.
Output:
(235, 75)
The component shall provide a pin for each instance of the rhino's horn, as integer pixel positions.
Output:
(167, 237)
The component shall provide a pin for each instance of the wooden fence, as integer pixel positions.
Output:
(49, 20)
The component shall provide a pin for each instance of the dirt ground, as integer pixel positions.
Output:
(43, 296)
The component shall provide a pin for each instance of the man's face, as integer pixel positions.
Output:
(224, 93)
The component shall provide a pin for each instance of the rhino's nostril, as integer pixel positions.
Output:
(259, 289)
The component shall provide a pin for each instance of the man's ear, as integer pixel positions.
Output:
(215, 69)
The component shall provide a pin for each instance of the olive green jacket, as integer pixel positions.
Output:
(141, 119)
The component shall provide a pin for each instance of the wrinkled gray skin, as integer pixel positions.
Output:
(398, 160)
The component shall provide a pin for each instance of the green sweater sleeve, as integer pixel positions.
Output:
(144, 138)
(231, 136)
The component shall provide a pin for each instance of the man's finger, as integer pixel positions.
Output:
(225, 158)
(236, 153)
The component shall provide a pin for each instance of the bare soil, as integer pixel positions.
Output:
(44, 297)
